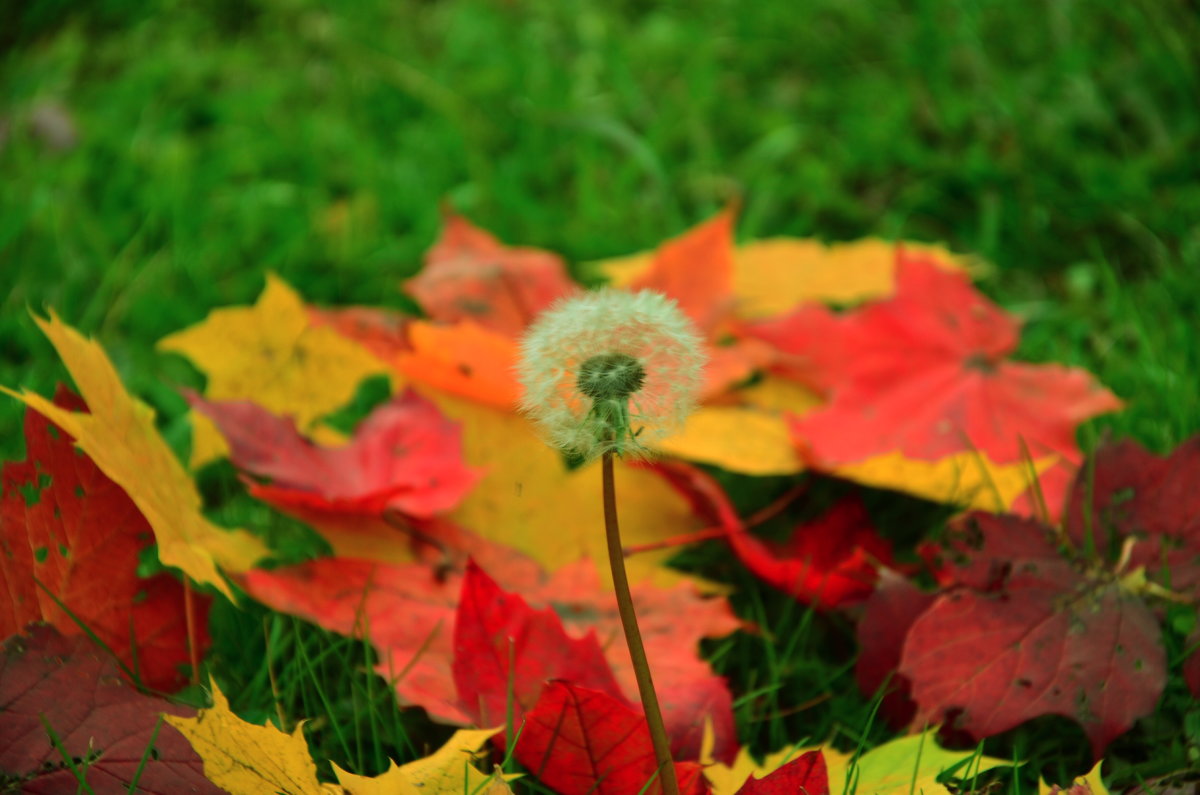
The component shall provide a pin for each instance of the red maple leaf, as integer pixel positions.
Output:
(108, 731)
(1129, 503)
(65, 525)
(585, 742)
(1032, 632)
(405, 457)
(382, 332)
(887, 616)
(470, 275)
(505, 652)
(804, 775)
(924, 373)
(409, 613)
(828, 562)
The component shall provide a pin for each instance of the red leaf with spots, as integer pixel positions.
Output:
(470, 275)
(405, 457)
(585, 742)
(503, 647)
(1030, 632)
(925, 373)
(1147, 502)
(804, 775)
(103, 724)
(64, 524)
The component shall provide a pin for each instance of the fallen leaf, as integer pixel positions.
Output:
(470, 275)
(772, 276)
(528, 499)
(743, 439)
(447, 771)
(246, 759)
(886, 618)
(1089, 784)
(899, 767)
(828, 562)
(65, 525)
(273, 354)
(103, 727)
(462, 359)
(1028, 634)
(804, 775)
(923, 374)
(584, 742)
(672, 622)
(505, 652)
(381, 331)
(405, 457)
(407, 611)
(1126, 495)
(120, 437)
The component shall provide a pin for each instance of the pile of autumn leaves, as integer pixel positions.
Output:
(463, 548)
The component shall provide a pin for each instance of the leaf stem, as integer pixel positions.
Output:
(633, 635)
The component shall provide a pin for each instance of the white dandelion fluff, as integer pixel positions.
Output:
(610, 371)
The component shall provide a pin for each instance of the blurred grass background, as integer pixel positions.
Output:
(157, 157)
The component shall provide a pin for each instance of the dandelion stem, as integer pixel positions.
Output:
(633, 636)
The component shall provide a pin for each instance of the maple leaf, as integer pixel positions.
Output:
(886, 618)
(826, 562)
(805, 774)
(120, 437)
(105, 730)
(1030, 632)
(923, 374)
(470, 275)
(381, 331)
(898, 767)
(462, 359)
(405, 456)
(505, 652)
(407, 611)
(80, 536)
(1127, 496)
(579, 742)
(245, 759)
(446, 771)
(273, 354)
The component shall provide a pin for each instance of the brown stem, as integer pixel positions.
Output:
(633, 636)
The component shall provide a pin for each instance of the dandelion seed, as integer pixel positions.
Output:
(610, 371)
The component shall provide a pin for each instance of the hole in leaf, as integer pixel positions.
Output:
(40, 554)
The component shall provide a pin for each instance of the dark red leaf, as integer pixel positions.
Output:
(101, 723)
(64, 524)
(405, 457)
(1147, 501)
(1028, 635)
(585, 742)
(887, 616)
(804, 775)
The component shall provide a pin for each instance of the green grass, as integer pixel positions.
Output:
(220, 140)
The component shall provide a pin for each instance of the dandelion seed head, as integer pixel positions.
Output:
(591, 357)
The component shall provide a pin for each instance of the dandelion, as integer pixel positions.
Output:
(605, 374)
(610, 371)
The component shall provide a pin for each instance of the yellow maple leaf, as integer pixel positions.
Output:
(528, 499)
(773, 275)
(903, 766)
(119, 435)
(270, 353)
(447, 771)
(247, 759)
(1090, 781)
